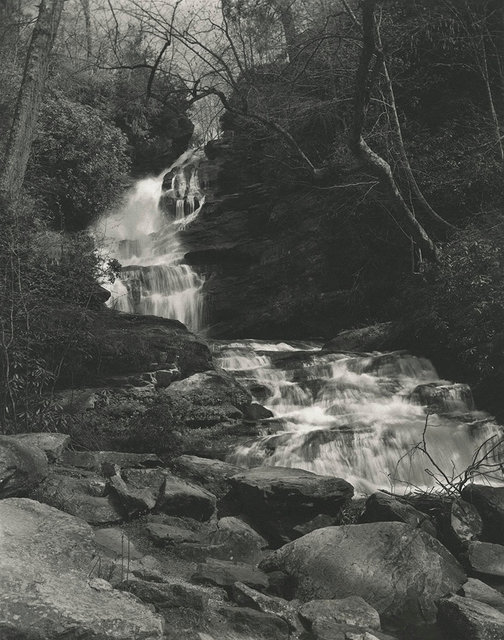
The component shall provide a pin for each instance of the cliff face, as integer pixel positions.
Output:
(285, 260)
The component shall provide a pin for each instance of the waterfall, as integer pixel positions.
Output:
(359, 417)
(143, 236)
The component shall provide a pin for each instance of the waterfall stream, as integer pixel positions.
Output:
(368, 418)
(358, 416)
(143, 236)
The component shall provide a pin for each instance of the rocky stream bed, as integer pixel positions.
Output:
(164, 538)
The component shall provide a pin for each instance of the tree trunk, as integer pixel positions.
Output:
(359, 147)
(286, 16)
(28, 101)
(89, 35)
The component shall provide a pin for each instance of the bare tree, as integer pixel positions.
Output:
(29, 100)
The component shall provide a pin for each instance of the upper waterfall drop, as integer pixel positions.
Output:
(143, 236)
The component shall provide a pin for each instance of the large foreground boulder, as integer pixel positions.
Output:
(47, 589)
(277, 499)
(22, 467)
(400, 571)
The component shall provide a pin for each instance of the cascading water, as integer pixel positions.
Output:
(359, 417)
(143, 236)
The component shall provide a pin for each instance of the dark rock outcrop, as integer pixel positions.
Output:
(276, 499)
(489, 501)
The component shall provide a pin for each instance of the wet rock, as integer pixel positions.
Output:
(181, 498)
(52, 444)
(224, 574)
(81, 497)
(400, 571)
(381, 507)
(22, 467)
(165, 534)
(469, 619)
(212, 474)
(94, 460)
(489, 501)
(278, 499)
(352, 611)
(247, 597)
(45, 587)
(443, 398)
(167, 594)
(255, 624)
(478, 590)
(377, 337)
(256, 411)
(486, 558)
(239, 540)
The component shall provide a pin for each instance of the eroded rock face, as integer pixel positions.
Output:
(46, 590)
(400, 571)
(278, 499)
(22, 467)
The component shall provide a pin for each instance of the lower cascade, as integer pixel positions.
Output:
(143, 236)
(368, 418)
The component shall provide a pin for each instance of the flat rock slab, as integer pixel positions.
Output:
(224, 574)
(469, 619)
(22, 467)
(489, 501)
(212, 474)
(486, 558)
(93, 460)
(45, 588)
(478, 590)
(277, 499)
(52, 444)
(181, 498)
(352, 611)
(401, 572)
(80, 497)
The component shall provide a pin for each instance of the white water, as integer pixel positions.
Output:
(143, 236)
(353, 416)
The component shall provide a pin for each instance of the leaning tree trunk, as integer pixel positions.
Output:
(28, 102)
(377, 165)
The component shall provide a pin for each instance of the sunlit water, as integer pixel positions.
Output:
(143, 236)
(356, 416)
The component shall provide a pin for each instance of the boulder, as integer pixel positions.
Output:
(224, 574)
(486, 558)
(52, 444)
(377, 337)
(164, 377)
(205, 399)
(81, 497)
(382, 507)
(114, 543)
(277, 499)
(256, 411)
(399, 571)
(443, 398)
(181, 498)
(167, 594)
(469, 619)
(212, 474)
(239, 540)
(352, 611)
(165, 534)
(463, 524)
(94, 460)
(22, 467)
(137, 490)
(477, 590)
(247, 597)
(489, 501)
(254, 624)
(46, 586)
